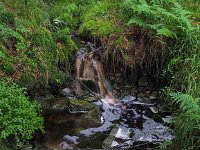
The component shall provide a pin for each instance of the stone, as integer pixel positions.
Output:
(89, 98)
(123, 133)
(72, 139)
(109, 140)
(94, 115)
(64, 145)
(140, 95)
(114, 144)
(168, 119)
(128, 98)
(143, 102)
(155, 93)
(148, 92)
(80, 106)
(155, 110)
(152, 97)
(67, 92)
(55, 104)
(57, 107)
(28, 147)
(153, 132)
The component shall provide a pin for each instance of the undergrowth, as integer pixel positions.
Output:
(19, 117)
(32, 44)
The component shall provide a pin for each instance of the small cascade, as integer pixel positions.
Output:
(129, 122)
(89, 68)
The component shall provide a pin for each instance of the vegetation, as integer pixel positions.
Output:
(31, 46)
(18, 116)
(155, 36)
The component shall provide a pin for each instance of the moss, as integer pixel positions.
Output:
(98, 28)
(82, 104)
(99, 20)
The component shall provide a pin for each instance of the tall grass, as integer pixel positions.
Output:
(184, 88)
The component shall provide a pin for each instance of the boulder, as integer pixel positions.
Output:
(80, 106)
(55, 104)
(67, 92)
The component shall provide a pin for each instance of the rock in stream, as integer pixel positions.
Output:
(125, 125)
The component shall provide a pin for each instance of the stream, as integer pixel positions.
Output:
(134, 123)
(105, 120)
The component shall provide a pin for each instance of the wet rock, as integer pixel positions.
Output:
(28, 147)
(144, 102)
(72, 139)
(114, 144)
(56, 104)
(109, 140)
(153, 132)
(58, 107)
(119, 136)
(155, 109)
(57, 119)
(94, 115)
(155, 93)
(67, 92)
(123, 133)
(110, 114)
(65, 146)
(148, 92)
(140, 95)
(80, 106)
(89, 98)
(168, 119)
(152, 97)
(108, 86)
(128, 98)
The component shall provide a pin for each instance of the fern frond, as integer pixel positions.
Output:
(187, 103)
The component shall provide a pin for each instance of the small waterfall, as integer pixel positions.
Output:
(89, 68)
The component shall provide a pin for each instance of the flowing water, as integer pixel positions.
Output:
(124, 123)
(88, 67)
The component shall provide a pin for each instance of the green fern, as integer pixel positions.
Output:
(156, 16)
(187, 120)
(187, 103)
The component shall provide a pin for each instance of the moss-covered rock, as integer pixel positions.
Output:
(79, 105)
(53, 105)
(94, 115)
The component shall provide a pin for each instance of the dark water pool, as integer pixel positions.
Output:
(132, 124)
